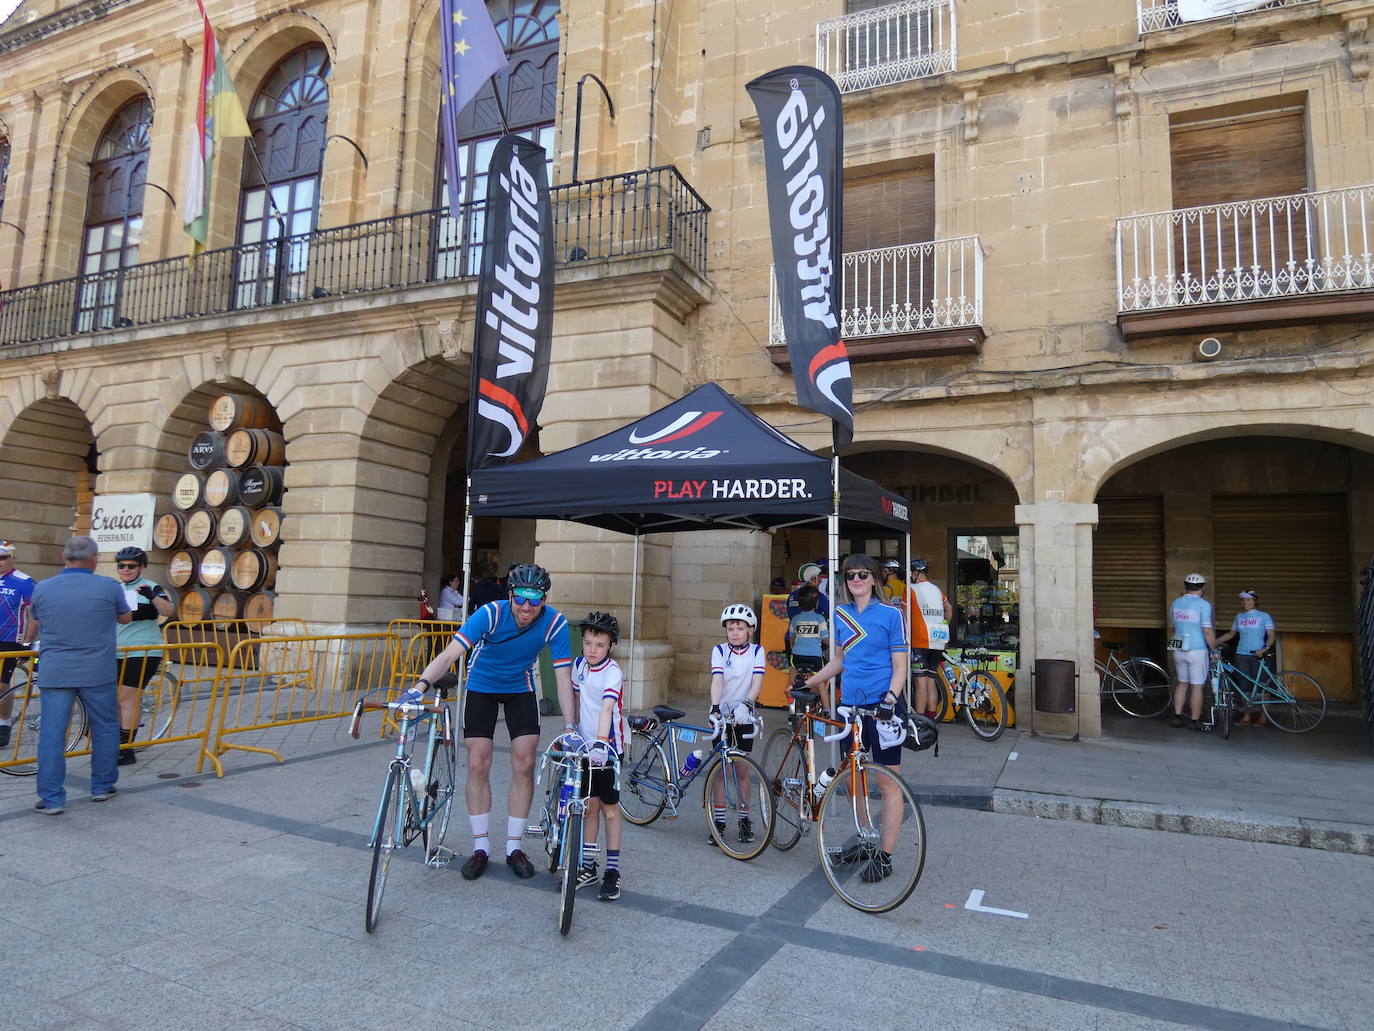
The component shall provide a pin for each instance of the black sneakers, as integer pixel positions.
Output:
(520, 863)
(4, 734)
(878, 867)
(126, 757)
(746, 830)
(1178, 721)
(586, 877)
(475, 866)
(610, 886)
(720, 829)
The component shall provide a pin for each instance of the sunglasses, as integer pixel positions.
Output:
(857, 574)
(522, 602)
(126, 565)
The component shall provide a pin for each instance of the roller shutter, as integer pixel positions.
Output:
(1128, 562)
(889, 208)
(1294, 549)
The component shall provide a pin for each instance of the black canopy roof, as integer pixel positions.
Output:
(703, 462)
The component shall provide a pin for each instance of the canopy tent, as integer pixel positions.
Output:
(703, 462)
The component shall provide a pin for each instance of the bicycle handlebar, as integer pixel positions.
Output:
(355, 724)
(851, 714)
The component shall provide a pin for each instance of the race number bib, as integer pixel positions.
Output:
(1176, 644)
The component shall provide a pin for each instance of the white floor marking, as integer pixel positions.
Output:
(975, 903)
(1013, 756)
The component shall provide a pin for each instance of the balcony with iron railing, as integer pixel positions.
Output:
(913, 301)
(884, 45)
(1306, 257)
(1157, 15)
(632, 214)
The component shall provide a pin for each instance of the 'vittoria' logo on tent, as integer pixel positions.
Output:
(684, 425)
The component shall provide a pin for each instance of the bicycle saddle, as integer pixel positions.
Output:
(664, 712)
(804, 696)
(1113, 646)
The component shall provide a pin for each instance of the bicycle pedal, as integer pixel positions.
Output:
(441, 859)
(534, 830)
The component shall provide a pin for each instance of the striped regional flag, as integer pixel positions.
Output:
(219, 115)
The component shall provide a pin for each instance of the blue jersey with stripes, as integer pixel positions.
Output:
(502, 654)
(869, 639)
(1189, 614)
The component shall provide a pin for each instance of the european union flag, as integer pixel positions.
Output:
(471, 54)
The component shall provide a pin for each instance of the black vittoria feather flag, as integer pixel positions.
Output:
(510, 364)
(803, 153)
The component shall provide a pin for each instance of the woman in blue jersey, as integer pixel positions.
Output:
(1257, 632)
(871, 650)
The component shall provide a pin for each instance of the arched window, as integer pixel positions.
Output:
(528, 89)
(114, 214)
(281, 177)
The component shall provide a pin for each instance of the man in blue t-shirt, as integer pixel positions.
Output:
(16, 592)
(74, 616)
(1190, 644)
(503, 640)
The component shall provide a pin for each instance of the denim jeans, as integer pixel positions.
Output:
(103, 713)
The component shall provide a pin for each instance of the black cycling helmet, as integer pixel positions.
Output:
(529, 576)
(919, 565)
(604, 622)
(132, 554)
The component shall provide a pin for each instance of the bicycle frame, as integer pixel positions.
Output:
(1263, 686)
(804, 737)
(410, 718)
(668, 734)
(571, 762)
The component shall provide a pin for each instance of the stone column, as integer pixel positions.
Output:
(31, 178)
(1056, 609)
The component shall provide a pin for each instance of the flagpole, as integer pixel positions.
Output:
(634, 608)
(832, 537)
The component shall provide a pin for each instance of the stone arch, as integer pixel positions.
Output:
(995, 460)
(263, 47)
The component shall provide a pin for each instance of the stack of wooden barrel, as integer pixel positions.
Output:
(224, 526)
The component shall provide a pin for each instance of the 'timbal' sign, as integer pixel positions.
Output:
(121, 520)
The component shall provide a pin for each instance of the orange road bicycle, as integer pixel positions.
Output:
(870, 835)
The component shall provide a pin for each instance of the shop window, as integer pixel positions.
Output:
(985, 592)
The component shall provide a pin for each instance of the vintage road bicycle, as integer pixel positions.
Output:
(870, 832)
(1139, 687)
(654, 777)
(961, 685)
(1293, 702)
(416, 799)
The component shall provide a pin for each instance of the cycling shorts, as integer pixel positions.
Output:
(1191, 667)
(883, 756)
(926, 660)
(481, 708)
(7, 665)
(137, 670)
(734, 736)
(602, 786)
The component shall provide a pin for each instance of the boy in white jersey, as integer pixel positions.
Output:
(736, 679)
(597, 687)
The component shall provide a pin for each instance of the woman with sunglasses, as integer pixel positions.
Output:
(149, 603)
(871, 650)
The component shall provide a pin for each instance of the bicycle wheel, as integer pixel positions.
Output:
(872, 841)
(572, 866)
(437, 804)
(986, 710)
(158, 703)
(1222, 711)
(1294, 702)
(644, 780)
(23, 724)
(386, 835)
(786, 763)
(944, 705)
(1141, 688)
(739, 784)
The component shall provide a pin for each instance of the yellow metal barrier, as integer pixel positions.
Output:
(280, 681)
(177, 704)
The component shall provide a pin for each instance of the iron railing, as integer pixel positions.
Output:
(893, 291)
(1365, 642)
(1303, 244)
(883, 45)
(642, 212)
(1155, 15)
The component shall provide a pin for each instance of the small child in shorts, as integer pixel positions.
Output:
(808, 634)
(737, 666)
(597, 684)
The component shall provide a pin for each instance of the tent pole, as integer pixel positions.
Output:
(634, 611)
(832, 537)
(906, 606)
(467, 589)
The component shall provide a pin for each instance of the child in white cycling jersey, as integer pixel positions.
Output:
(597, 686)
(736, 679)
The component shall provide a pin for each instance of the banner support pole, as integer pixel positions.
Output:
(832, 538)
(634, 609)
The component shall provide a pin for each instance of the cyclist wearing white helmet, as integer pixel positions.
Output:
(737, 666)
(1190, 616)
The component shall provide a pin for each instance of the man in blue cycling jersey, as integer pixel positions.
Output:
(503, 640)
(1192, 640)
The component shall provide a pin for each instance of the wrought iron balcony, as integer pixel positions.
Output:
(1156, 15)
(916, 300)
(1308, 247)
(883, 45)
(644, 212)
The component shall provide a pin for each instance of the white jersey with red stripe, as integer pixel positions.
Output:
(926, 612)
(737, 668)
(597, 687)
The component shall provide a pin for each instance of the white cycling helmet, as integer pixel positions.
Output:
(743, 612)
(1195, 580)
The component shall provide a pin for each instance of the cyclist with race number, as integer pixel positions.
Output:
(597, 686)
(928, 615)
(1190, 645)
(149, 603)
(503, 640)
(16, 595)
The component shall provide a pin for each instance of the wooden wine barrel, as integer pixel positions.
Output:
(222, 488)
(240, 412)
(196, 604)
(200, 527)
(169, 531)
(234, 526)
(229, 605)
(181, 568)
(266, 527)
(207, 451)
(255, 447)
(254, 569)
(189, 490)
(214, 566)
(260, 485)
(260, 605)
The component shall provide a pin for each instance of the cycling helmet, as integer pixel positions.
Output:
(132, 554)
(919, 565)
(743, 612)
(530, 577)
(1195, 580)
(807, 571)
(891, 563)
(604, 622)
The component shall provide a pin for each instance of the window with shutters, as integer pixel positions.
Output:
(1128, 562)
(1293, 550)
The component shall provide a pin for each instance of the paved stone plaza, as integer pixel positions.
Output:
(196, 902)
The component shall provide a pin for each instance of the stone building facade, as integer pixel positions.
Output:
(1048, 207)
